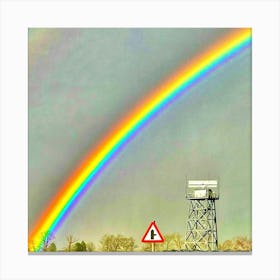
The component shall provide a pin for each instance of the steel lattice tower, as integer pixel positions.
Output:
(201, 232)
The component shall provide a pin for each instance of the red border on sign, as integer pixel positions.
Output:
(150, 241)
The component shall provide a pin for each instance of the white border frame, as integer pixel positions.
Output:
(17, 16)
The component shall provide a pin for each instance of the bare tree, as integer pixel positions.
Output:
(179, 242)
(239, 243)
(146, 247)
(105, 243)
(112, 243)
(90, 247)
(109, 243)
(70, 241)
(127, 244)
(168, 239)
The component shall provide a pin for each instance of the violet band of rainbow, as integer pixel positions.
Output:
(72, 192)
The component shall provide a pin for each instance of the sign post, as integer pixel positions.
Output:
(152, 235)
(153, 247)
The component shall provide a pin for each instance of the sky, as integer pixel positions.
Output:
(82, 81)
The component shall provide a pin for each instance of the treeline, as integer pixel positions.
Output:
(239, 243)
(121, 243)
(111, 243)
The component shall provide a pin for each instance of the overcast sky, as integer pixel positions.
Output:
(81, 81)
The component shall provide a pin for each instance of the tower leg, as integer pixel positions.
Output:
(201, 232)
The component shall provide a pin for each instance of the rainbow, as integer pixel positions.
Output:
(100, 156)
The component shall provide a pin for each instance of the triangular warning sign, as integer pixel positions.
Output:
(152, 234)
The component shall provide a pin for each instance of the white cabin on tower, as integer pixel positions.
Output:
(198, 189)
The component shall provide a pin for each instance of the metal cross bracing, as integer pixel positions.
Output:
(202, 226)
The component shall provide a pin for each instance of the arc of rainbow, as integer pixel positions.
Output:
(95, 162)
